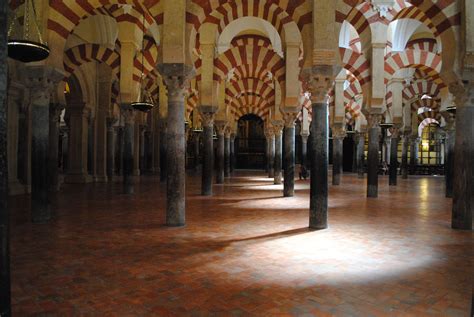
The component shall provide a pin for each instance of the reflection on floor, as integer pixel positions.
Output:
(245, 251)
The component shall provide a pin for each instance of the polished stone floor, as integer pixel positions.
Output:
(245, 251)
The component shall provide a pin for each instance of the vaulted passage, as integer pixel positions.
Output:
(244, 251)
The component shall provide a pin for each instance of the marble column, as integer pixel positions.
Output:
(77, 116)
(393, 168)
(414, 143)
(278, 128)
(271, 152)
(405, 146)
(373, 157)
(127, 156)
(289, 178)
(220, 127)
(304, 149)
(232, 152)
(208, 153)
(42, 81)
(54, 113)
(111, 148)
(14, 100)
(360, 139)
(5, 293)
(163, 144)
(338, 135)
(175, 79)
(463, 195)
(227, 153)
(319, 158)
(196, 150)
(449, 165)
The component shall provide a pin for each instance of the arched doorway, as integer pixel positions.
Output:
(250, 143)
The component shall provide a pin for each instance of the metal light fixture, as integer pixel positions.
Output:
(26, 45)
(145, 103)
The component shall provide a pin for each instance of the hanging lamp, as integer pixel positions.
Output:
(145, 102)
(26, 44)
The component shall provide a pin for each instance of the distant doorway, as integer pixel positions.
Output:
(250, 143)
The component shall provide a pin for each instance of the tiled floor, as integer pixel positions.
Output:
(245, 251)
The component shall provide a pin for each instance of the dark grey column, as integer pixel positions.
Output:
(318, 217)
(373, 157)
(128, 138)
(271, 152)
(278, 153)
(227, 155)
(208, 153)
(232, 153)
(289, 178)
(175, 78)
(149, 167)
(54, 112)
(196, 150)
(90, 145)
(360, 139)
(220, 153)
(449, 165)
(110, 148)
(142, 150)
(163, 144)
(392, 179)
(5, 295)
(304, 149)
(463, 198)
(414, 141)
(119, 152)
(338, 135)
(404, 166)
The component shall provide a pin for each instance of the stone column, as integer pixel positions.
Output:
(232, 152)
(227, 153)
(289, 178)
(220, 127)
(405, 146)
(91, 145)
(77, 116)
(111, 148)
(360, 139)
(15, 93)
(338, 135)
(42, 81)
(142, 165)
(163, 144)
(208, 152)
(5, 294)
(175, 77)
(148, 159)
(373, 157)
(304, 149)
(127, 156)
(449, 165)
(392, 180)
(414, 142)
(278, 128)
(101, 145)
(119, 150)
(54, 113)
(271, 152)
(463, 198)
(137, 136)
(65, 148)
(156, 143)
(196, 150)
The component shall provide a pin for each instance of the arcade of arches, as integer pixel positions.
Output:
(303, 157)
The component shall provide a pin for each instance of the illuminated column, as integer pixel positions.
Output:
(278, 128)
(360, 156)
(373, 155)
(208, 152)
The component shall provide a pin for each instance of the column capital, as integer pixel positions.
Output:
(460, 93)
(176, 78)
(207, 118)
(374, 120)
(289, 119)
(221, 127)
(269, 132)
(278, 127)
(128, 113)
(338, 133)
(318, 81)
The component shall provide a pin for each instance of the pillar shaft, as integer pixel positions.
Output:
(163, 144)
(337, 153)
(128, 138)
(54, 112)
(220, 157)
(318, 218)
(289, 179)
(404, 165)
(101, 145)
(373, 156)
(110, 148)
(232, 153)
(278, 155)
(227, 155)
(414, 154)
(463, 198)
(271, 158)
(136, 147)
(196, 150)
(208, 156)
(360, 155)
(449, 165)
(393, 159)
